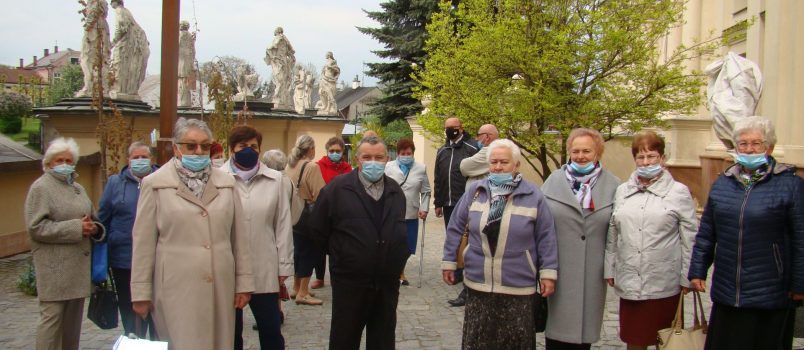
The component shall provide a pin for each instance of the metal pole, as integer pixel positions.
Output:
(421, 253)
(169, 77)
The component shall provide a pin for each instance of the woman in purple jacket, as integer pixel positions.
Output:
(512, 249)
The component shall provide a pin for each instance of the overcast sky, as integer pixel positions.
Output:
(242, 28)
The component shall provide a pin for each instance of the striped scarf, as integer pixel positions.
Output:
(499, 196)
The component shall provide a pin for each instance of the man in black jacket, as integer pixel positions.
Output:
(360, 218)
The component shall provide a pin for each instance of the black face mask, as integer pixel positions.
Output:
(452, 133)
(247, 157)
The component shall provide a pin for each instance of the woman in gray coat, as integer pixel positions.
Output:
(59, 217)
(580, 195)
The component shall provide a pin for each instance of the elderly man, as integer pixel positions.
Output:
(360, 218)
(476, 167)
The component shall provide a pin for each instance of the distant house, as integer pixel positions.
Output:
(51, 63)
(355, 102)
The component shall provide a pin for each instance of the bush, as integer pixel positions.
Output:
(13, 107)
(27, 281)
(10, 125)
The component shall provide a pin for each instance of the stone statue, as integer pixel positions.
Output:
(327, 86)
(735, 86)
(247, 80)
(281, 57)
(299, 91)
(309, 80)
(96, 36)
(186, 64)
(129, 54)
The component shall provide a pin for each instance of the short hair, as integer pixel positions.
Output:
(505, 143)
(761, 124)
(304, 144)
(371, 140)
(405, 144)
(58, 146)
(138, 145)
(647, 140)
(183, 125)
(215, 149)
(592, 133)
(242, 133)
(335, 141)
(275, 159)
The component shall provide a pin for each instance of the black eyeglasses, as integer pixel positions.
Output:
(193, 146)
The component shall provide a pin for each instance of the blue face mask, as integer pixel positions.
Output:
(752, 161)
(140, 167)
(479, 145)
(194, 162)
(334, 157)
(405, 160)
(247, 158)
(372, 170)
(499, 179)
(649, 171)
(64, 169)
(582, 169)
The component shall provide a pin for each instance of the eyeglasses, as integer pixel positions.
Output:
(650, 157)
(754, 145)
(193, 146)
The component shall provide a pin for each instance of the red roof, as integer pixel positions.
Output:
(12, 75)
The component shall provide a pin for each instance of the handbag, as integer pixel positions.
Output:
(100, 261)
(540, 313)
(102, 309)
(132, 342)
(677, 337)
(464, 239)
(302, 226)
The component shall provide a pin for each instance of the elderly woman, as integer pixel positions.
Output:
(191, 263)
(268, 207)
(58, 215)
(649, 244)
(118, 208)
(752, 229)
(412, 177)
(307, 179)
(580, 195)
(512, 251)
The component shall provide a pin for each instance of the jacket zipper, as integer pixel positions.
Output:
(449, 177)
(740, 245)
(777, 258)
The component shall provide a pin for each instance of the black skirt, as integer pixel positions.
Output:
(498, 321)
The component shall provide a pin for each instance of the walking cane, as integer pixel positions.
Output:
(421, 254)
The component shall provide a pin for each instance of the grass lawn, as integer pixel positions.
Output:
(28, 125)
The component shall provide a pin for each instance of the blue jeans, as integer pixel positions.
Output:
(413, 234)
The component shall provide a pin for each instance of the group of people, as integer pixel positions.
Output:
(196, 240)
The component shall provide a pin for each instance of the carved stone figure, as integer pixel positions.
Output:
(735, 85)
(96, 36)
(309, 80)
(129, 54)
(299, 97)
(186, 64)
(247, 80)
(327, 86)
(281, 57)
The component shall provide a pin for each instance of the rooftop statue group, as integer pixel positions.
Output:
(125, 56)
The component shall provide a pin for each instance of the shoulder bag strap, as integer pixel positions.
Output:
(406, 177)
(301, 172)
(474, 198)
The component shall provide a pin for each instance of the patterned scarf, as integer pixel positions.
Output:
(750, 177)
(195, 181)
(581, 185)
(643, 186)
(499, 196)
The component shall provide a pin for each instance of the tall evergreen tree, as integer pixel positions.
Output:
(403, 32)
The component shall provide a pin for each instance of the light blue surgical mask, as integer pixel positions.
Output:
(479, 145)
(64, 169)
(140, 167)
(405, 160)
(372, 170)
(499, 179)
(582, 169)
(751, 161)
(194, 162)
(334, 156)
(649, 171)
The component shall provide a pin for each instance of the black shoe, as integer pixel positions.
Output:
(254, 327)
(404, 282)
(460, 300)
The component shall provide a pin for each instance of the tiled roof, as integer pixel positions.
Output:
(348, 96)
(12, 74)
(51, 58)
(11, 151)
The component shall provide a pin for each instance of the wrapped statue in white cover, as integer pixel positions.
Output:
(96, 36)
(129, 54)
(735, 86)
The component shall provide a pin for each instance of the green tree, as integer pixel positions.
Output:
(402, 31)
(70, 80)
(13, 107)
(537, 69)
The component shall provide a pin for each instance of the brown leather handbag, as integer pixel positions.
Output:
(464, 237)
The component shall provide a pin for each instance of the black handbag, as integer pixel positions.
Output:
(540, 312)
(102, 309)
(302, 227)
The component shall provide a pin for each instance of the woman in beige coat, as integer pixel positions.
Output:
(191, 264)
(58, 215)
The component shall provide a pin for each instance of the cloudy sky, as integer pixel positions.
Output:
(242, 28)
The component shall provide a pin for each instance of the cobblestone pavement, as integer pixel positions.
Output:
(425, 320)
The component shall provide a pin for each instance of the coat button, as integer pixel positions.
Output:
(209, 279)
(86, 253)
(204, 213)
(583, 238)
(206, 246)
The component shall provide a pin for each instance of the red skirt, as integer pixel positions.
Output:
(640, 320)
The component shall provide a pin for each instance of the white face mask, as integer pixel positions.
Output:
(217, 163)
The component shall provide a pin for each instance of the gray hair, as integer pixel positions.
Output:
(57, 146)
(371, 140)
(275, 159)
(303, 145)
(138, 145)
(505, 143)
(183, 125)
(761, 124)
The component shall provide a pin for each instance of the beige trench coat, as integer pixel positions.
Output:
(190, 257)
